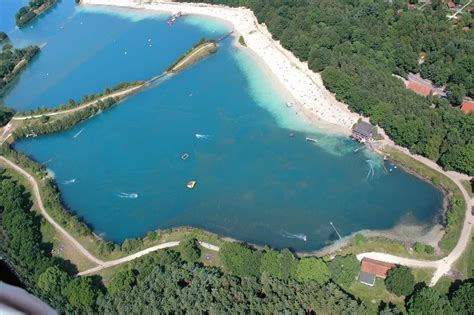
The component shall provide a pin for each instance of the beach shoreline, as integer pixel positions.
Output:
(312, 102)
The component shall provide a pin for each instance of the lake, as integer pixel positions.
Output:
(122, 171)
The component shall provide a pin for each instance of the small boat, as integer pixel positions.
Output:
(289, 104)
(311, 140)
(184, 157)
(291, 134)
(191, 184)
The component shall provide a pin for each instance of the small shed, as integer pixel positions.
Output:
(371, 268)
(362, 131)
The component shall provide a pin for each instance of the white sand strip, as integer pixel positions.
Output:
(305, 86)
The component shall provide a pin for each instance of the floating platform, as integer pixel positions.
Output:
(184, 157)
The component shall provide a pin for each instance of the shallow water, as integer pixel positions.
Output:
(122, 172)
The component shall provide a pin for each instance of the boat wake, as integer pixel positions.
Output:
(71, 181)
(297, 236)
(199, 136)
(78, 133)
(371, 172)
(130, 196)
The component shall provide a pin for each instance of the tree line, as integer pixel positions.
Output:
(358, 46)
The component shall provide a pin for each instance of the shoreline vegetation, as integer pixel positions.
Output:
(12, 61)
(307, 283)
(64, 216)
(32, 10)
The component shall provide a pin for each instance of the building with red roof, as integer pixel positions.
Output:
(467, 107)
(419, 88)
(451, 5)
(371, 268)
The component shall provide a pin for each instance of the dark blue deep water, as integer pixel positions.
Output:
(121, 170)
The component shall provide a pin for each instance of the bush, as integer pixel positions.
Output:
(419, 247)
(360, 239)
(400, 281)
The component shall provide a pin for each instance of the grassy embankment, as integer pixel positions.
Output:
(199, 51)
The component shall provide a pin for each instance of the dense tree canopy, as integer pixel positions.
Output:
(312, 269)
(344, 269)
(400, 281)
(359, 45)
(190, 250)
(428, 301)
(463, 298)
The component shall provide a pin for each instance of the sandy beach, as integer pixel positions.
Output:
(311, 99)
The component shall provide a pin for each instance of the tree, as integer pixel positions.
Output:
(400, 281)
(81, 293)
(312, 269)
(344, 269)
(122, 282)
(189, 249)
(240, 260)
(428, 301)
(5, 115)
(279, 264)
(462, 298)
(53, 281)
(3, 36)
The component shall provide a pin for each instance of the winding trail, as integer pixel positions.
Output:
(39, 201)
(100, 263)
(442, 266)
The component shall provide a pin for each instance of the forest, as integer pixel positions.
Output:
(174, 281)
(31, 10)
(357, 46)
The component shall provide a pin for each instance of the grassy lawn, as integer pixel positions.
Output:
(372, 296)
(468, 186)
(465, 263)
(423, 274)
(443, 284)
(457, 202)
(383, 245)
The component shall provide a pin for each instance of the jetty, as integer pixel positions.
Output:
(198, 52)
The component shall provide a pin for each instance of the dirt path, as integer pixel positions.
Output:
(72, 110)
(39, 202)
(179, 64)
(100, 263)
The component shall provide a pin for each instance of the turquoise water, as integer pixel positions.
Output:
(121, 170)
